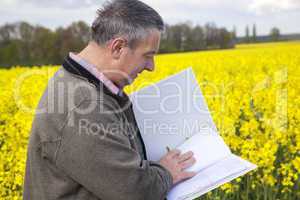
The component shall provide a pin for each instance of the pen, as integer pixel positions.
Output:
(168, 149)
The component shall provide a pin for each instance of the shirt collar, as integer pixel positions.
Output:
(99, 75)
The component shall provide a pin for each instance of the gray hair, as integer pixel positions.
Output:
(132, 19)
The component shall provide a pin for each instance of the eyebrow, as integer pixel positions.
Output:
(150, 52)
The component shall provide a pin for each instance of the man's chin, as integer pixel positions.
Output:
(127, 81)
(130, 80)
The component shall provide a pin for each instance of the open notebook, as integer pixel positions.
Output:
(173, 113)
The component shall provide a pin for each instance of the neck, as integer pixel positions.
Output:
(98, 56)
(95, 55)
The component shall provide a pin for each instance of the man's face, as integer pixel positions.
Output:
(135, 61)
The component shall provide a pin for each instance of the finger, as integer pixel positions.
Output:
(185, 156)
(185, 175)
(174, 153)
(187, 163)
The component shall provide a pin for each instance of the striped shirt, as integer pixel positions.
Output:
(99, 75)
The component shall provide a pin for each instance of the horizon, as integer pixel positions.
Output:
(239, 36)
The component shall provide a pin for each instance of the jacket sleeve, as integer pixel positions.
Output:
(96, 153)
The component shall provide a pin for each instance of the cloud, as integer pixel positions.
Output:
(198, 11)
(273, 6)
(227, 13)
(47, 14)
(65, 4)
(196, 4)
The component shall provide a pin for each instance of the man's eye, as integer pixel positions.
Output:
(150, 57)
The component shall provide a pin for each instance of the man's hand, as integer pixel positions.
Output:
(176, 163)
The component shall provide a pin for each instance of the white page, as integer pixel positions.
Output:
(210, 178)
(170, 111)
(207, 148)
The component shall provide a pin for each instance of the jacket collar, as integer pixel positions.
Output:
(75, 68)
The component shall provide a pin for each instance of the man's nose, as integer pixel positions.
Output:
(150, 66)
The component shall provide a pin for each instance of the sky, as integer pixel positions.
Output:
(284, 14)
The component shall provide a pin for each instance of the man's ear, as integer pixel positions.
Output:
(117, 47)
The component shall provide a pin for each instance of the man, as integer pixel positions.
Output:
(84, 142)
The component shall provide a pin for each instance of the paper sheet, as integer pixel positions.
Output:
(171, 110)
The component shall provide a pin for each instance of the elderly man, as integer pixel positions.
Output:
(84, 142)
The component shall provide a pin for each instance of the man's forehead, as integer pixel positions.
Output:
(151, 43)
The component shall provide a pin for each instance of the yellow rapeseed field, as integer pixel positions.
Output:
(252, 92)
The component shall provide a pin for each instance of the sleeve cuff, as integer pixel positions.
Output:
(165, 173)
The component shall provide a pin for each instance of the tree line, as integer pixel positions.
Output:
(24, 44)
(273, 36)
